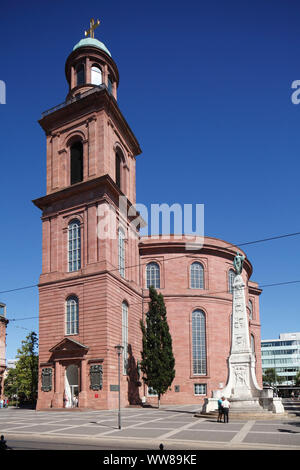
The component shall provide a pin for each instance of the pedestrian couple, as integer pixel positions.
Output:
(223, 409)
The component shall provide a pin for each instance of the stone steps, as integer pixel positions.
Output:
(265, 414)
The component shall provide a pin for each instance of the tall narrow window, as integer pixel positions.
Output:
(109, 82)
(118, 169)
(72, 316)
(199, 342)
(231, 276)
(96, 75)
(252, 344)
(250, 309)
(197, 276)
(122, 252)
(80, 79)
(125, 336)
(74, 246)
(76, 162)
(152, 275)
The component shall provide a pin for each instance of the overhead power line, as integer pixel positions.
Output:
(268, 239)
(279, 284)
(140, 302)
(18, 288)
(277, 237)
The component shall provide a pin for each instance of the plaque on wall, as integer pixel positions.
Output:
(114, 388)
(96, 373)
(47, 379)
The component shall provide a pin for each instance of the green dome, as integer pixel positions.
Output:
(92, 42)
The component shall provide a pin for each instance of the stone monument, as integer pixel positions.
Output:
(242, 389)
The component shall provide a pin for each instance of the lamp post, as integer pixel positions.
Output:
(119, 349)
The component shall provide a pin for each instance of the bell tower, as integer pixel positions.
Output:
(87, 135)
(89, 286)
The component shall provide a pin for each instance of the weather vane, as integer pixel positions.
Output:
(93, 26)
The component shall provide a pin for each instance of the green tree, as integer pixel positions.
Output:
(271, 378)
(297, 379)
(11, 385)
(157, 356)
(23, 380)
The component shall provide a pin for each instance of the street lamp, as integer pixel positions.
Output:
(119, 349)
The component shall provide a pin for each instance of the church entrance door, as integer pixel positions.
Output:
(71, 386)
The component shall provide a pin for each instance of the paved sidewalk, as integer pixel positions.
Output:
(176, 427)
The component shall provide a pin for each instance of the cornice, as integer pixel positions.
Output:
(105, 182)
(149, 248)
(91, 103)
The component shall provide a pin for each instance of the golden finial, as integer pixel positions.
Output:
(92, 28)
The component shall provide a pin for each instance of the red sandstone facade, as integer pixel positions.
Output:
(91, 157)
(214, 300)
(3, 325)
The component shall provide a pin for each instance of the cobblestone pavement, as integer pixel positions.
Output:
(174, 426)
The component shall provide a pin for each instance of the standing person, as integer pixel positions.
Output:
(75, 401)
(1, 403)
(225, 406)
(64, 400)
(220, 410)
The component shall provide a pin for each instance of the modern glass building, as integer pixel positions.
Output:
(283, 355)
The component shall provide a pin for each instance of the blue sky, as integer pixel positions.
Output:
(206, 88)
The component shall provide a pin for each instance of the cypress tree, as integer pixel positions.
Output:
(157, 356)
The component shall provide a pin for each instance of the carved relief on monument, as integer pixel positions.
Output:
(241, 376)
(240, 343)
(239, 323)
(239, 308)
(238, 293)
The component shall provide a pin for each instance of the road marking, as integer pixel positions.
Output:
(176, 431)
(242, 433)
(105, 433)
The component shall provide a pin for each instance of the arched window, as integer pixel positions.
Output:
(197, 276)
(96, 75)
(109, 83)
(125, 336)
(118, 169)
(250, 304)
(231, 276)
(153, 275)
(80, 78)
(72, 315)
(199, 342)
(252, 344)
(76, 162)
(121, 252)
(74, 246)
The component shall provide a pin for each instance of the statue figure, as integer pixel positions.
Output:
(238, 263)
(240, 377)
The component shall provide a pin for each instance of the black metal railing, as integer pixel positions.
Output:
(75, 98)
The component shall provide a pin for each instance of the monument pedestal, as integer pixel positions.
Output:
(244, 405)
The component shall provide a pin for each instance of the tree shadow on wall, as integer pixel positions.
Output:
(134, 383)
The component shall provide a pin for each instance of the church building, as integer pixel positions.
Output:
(93, 289)
(3, 325)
